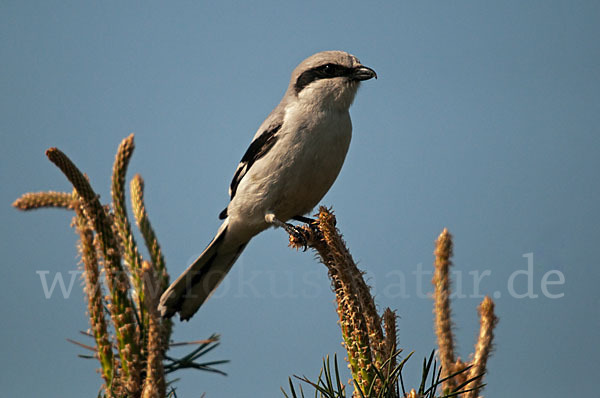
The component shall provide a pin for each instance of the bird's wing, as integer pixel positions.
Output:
(259, 147)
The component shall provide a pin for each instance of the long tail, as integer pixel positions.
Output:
(196, 284)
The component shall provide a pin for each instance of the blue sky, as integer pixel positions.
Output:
(484, 120)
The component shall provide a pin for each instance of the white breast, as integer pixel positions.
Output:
(299, 169)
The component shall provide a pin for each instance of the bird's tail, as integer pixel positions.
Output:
(196, 284)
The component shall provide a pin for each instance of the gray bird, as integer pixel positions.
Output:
(293, 160)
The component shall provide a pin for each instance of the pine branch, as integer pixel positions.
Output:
(37, 200)
(121, 307)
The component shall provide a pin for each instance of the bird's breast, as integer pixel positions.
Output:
(299, 169)
(318, 143)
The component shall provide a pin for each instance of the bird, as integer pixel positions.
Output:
(292, 161)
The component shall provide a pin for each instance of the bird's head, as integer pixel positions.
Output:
(329, 79)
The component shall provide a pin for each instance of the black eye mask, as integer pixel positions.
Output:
(326, 71)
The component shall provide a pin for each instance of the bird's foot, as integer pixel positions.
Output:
(297, 236)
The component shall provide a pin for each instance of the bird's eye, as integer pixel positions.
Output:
(328, 69)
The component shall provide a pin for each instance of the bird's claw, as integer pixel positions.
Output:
(297, 236)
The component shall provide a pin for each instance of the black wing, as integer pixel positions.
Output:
(257, 149)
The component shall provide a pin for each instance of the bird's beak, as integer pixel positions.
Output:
(363, 73)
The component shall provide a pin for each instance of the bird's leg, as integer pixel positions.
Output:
(311, 222)
(306, 220)
(291, 229)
